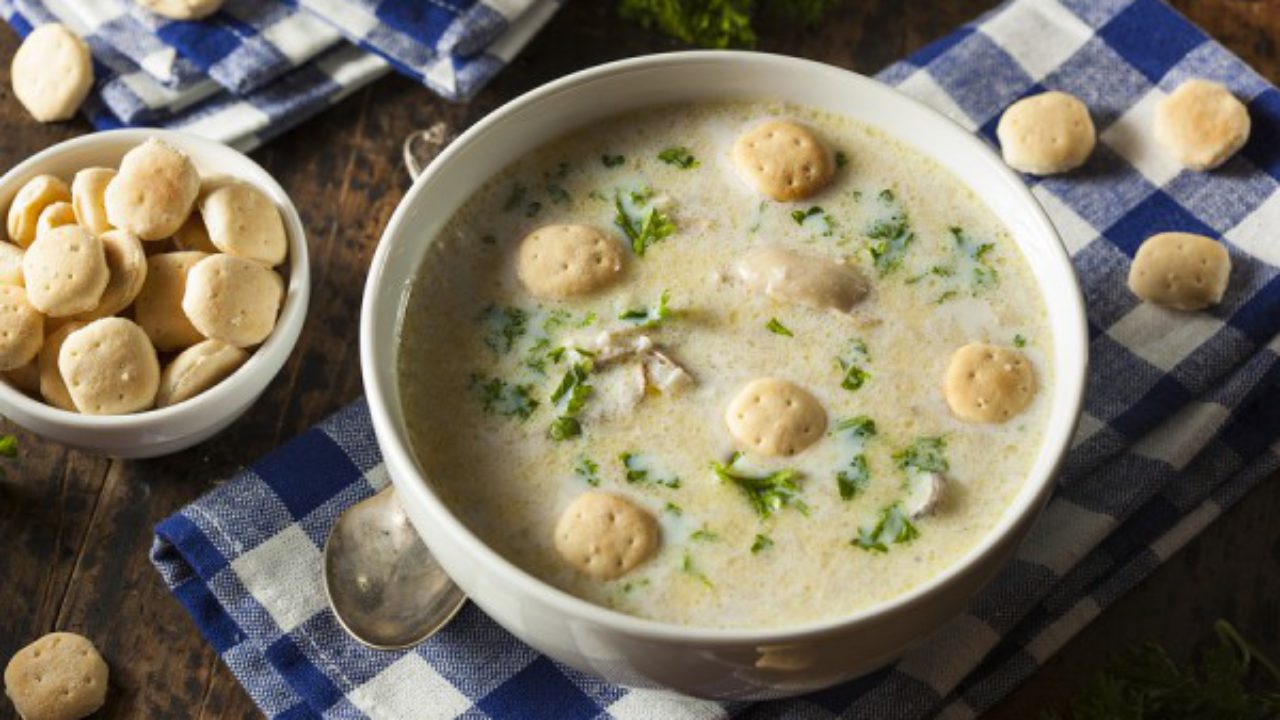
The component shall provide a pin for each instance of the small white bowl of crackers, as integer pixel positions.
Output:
(152, 283)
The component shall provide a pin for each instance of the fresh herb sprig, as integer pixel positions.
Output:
(1231, 679)
(720, 23)
(767, 493)
(655, 225)
(680, 157)
(650, 317)
(891, 527)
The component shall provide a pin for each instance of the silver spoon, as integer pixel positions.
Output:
(385, 587)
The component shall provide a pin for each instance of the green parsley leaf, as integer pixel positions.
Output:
(762, 542)
(890, 237)
(982, 275)
(503, 327)
(565, 427)
(841, 159)
(499, 397)
(674, 509)
(766, 493)
(854, 376)
(824, 223)
(778, 328)
(574, 390)
(588, 470)
(515, 198)
(680, 157)
(892, 526)
(721, 23)
(853, 479)
(655, 227)
(9, 446)
(650, 317)
(859, 426)
(687, 567)
(1019, 341)
(636, 472)
(558, 194)
(704, 535)
(613, 161)
(926, 454)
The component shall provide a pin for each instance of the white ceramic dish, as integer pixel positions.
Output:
(738, 664)
(167, 430)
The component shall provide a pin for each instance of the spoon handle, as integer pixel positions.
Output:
(422, 146)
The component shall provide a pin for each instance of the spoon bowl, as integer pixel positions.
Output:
(386, 589)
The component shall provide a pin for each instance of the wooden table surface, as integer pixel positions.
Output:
(75, 530)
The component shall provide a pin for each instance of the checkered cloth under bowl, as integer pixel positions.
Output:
(258, 67)
(1181, 416)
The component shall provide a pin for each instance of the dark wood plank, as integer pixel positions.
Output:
(76, 530)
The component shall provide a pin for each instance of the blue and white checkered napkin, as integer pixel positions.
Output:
(1182, 418)
(259, 67)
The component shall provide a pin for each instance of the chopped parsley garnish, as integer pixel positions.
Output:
(574, 390)
(1019, 341)
(853, 479)
(654, 227)
(637, 472)
(515, 198)
(926, 454)
(806, 218)
(687, 567)
(674, 509)
(766, 493)
(762, 542)
(854, 375)
(503, 327)
(890, 237)
(856, 477)
(558, 194)
(982, 274)
(650, 317)
(778, 328)
(841, 159)
(612, 161)
(704, 535)
(501, 398)
(948, 295)
(532, 209)
(859, 427)
(891, 527)
(588, 470)
(680, 157)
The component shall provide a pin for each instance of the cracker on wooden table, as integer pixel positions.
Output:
(61, 676)
(52, 73)
(66, 271)
(988, 383)
(21, 328)
(110, 367)
(1201, 124)
(1046, 134)
(31, 199)
(562, 261)
(784, 160)
(605, 536)
(1182, 271)
(775, 417)
(800, 278)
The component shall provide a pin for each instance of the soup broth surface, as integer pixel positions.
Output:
(480, 360)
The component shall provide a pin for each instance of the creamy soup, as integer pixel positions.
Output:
(518, 406)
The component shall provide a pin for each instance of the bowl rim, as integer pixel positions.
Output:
(268, 357)
(399, 455)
